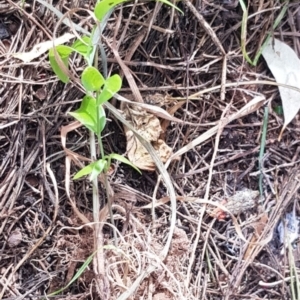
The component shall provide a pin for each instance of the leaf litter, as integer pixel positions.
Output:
(285, 66)
(150, 129)
(200, 263)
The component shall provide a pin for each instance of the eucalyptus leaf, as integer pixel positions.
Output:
(285, 66)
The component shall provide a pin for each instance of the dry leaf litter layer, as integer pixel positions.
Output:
(171, 57)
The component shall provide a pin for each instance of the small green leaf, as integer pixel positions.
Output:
(171, 4)
(98, 168)
(123, 160)
(92, 79)
(64, 53)
(104, 6)
(87, 113)
(84, 171)
(93, 169)
(112, 85)
(82, 46)
(77, 275)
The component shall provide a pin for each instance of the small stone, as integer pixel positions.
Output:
(15, 238)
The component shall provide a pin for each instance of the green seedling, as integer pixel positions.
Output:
(76, 276)
(244, 32)
(91, 114)
(99, 90)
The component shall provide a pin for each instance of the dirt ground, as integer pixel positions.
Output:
(224, 242)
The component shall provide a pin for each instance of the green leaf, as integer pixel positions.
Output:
(103, 7)
(77, 275)
(92, 79)
(82, 46)
(94, 169)
(64, 53)
(171, 4)
(112, 85)
(123, 160)
(87, 113)
(98, 168)
(84, 171)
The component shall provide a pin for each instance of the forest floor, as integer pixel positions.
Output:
(230, 195)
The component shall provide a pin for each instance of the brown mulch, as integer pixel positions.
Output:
(176, 57)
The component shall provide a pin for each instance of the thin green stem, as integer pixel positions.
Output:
(276, 23)
(99, 137)
(106, 183)
(244, 32)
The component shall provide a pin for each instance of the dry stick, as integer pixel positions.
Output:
(133, 86)
(138, 98)
(236, 84)
(127, 73)
(20, 94)
(136, 92)
(216, 41)
(222, 124)
(30, 17)
(285, 165)
(157, 7)
(223, 78)
(205, 25)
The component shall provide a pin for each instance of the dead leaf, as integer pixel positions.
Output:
(71, 156)
(259, 228)
(156, 110)
(148, 126)
(285, 67)
(41, 48)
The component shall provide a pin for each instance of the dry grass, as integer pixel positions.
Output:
(157, 50)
